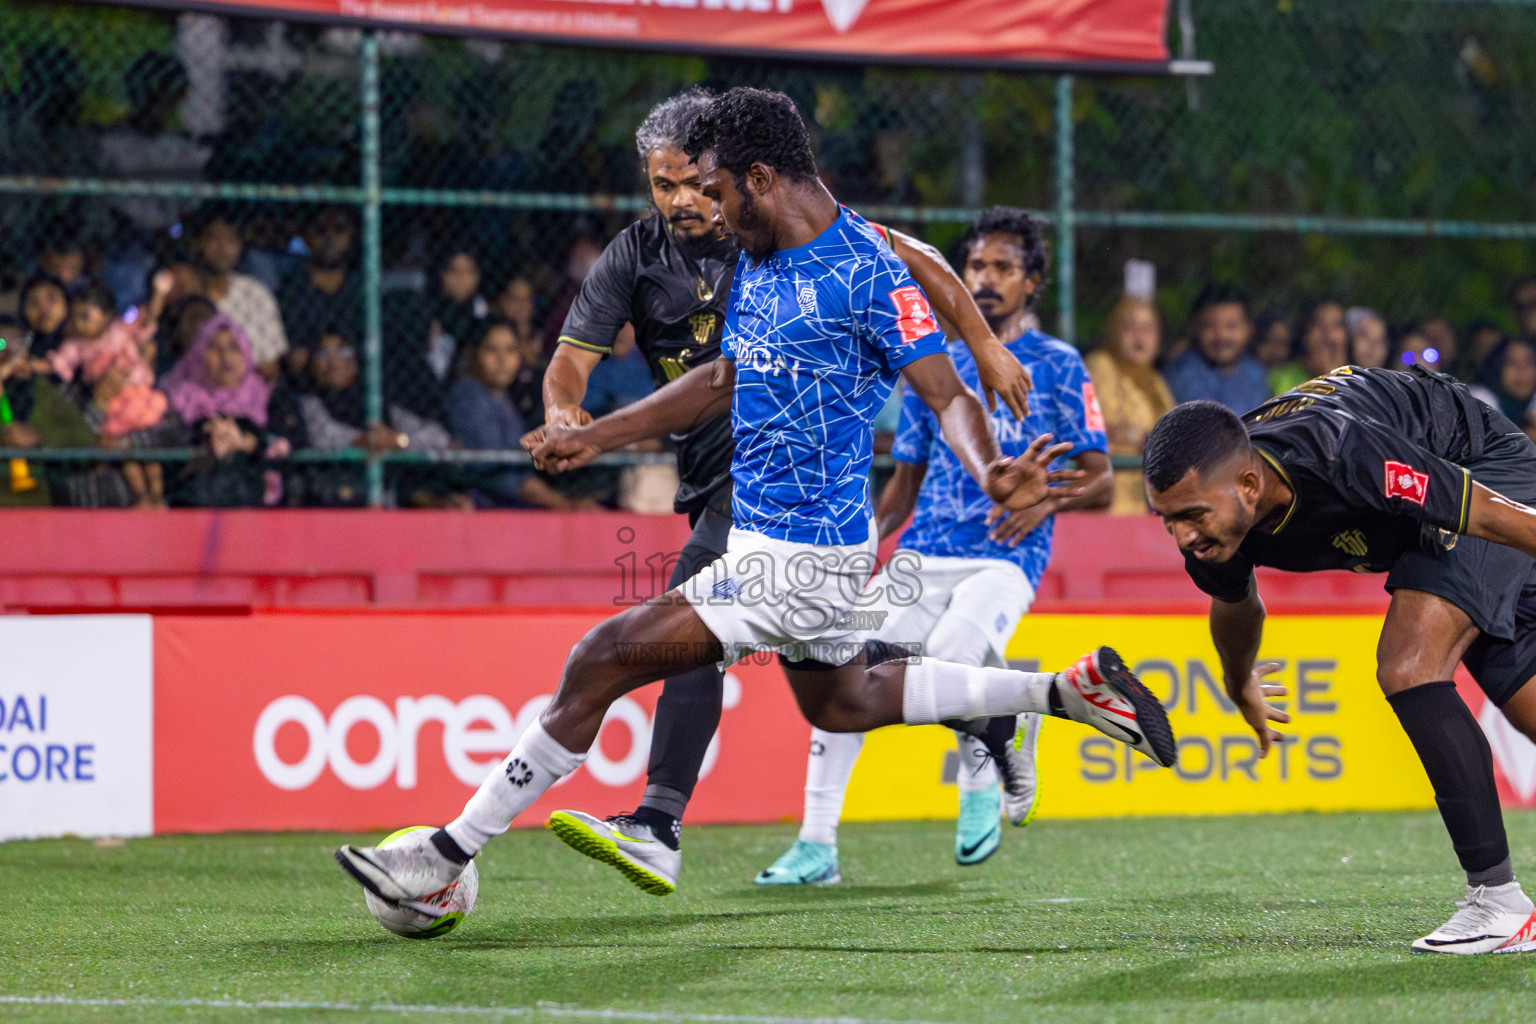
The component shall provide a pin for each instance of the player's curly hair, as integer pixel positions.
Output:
(1010, 220)
(747, 126)
(1196, 435)
(666, 126)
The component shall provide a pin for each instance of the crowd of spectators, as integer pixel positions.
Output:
(249, 355)
(1226, 354)
(235, 330)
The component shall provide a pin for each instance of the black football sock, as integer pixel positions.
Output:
(687, 714)
(448, 848)
(666, 826)
(1459, 763)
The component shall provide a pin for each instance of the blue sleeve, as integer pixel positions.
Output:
(915, 431)
(728, 332)
(1078, 419)
(893, 314)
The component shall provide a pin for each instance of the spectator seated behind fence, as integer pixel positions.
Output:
(39, 415)
(44, 305)
(483, 416)
(1482, 338)
(1271, 344)
(517, 304)
(217, 393)
(1368, 343)
(1522, 299)
(112, 356)
(1414, 348)
(621, 378)
(1322, 345)
(1442, 338)
(457, 307)
(61, 255)
(1218, 367)
(1132, 394)
(323, 291)
(216, 245)
(335, 419)
(1512, 368)
(178, 328)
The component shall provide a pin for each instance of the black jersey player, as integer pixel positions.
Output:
(1387, 472)
(669, 276)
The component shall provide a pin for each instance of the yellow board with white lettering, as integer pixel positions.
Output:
(1343, 749)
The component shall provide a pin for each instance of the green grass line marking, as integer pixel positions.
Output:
(470, 1011)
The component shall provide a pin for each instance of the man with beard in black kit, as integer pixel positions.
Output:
(669, 275)
(1380, 471)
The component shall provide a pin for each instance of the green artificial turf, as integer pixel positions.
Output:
(1177, 919)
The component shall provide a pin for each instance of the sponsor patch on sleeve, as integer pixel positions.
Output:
(1093, 416)
(1403, 481)
(914, 319)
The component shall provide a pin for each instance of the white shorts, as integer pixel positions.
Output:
(805, 601)
(918, 591)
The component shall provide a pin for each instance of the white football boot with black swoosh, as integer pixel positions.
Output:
(623, 842)
(404, 872)
(1491, 919)
(1098, 690)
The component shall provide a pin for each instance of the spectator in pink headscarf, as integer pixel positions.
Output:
(217, 391)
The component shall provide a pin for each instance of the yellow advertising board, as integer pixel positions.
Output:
(1343, 749)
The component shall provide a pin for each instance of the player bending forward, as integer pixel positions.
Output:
(822, 318)
(1380, 471)
(966, 582)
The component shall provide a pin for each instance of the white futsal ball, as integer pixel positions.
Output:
(457, 900)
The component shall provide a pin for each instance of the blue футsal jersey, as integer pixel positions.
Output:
(817, 333)
(950, 520)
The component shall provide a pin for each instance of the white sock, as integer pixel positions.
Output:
(941, 691)
(537, 762)
(976, 771)
(827, 771)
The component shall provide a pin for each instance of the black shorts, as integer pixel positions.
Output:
(1495, 585)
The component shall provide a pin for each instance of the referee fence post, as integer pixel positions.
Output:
(372, 252)
(1066, 282)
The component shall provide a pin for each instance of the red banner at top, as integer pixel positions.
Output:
(937, 31)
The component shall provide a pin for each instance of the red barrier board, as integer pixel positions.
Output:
(184, 561)
(1056, 31)
(377, 721)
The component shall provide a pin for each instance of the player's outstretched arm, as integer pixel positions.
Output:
(565, 385)
(1000, 371)
(700, 394)
(1094, 489)
(1012, 483)
(1236, 629)
(1494, 517)
(899, 498)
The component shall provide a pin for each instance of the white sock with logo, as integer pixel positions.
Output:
(976, 771)
(827, 771)
(941, 691)
(537, 762)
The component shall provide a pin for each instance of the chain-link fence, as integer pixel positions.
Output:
(366, 200)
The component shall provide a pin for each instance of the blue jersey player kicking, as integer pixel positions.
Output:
(822, 319)
(960, 582)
